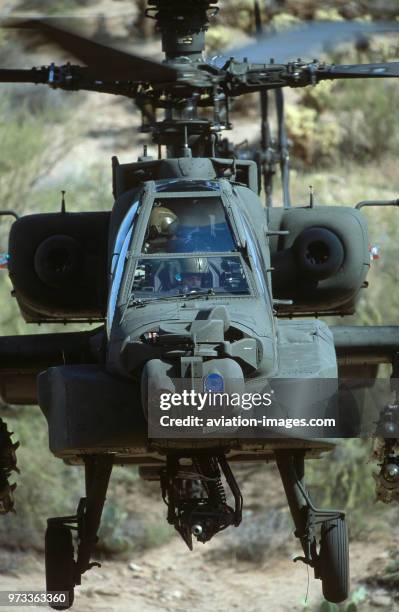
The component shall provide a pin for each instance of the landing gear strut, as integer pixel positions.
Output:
(331, 561)
(62, 571)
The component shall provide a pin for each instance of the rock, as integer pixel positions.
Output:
(107, 592)
(381, 601)
(134, 567)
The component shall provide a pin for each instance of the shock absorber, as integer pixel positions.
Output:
(208, 467)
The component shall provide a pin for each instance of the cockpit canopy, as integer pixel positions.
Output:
(188, 225)
(167, 276)
(178, 240)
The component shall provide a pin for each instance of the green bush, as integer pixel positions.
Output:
(256, 538)
(56, 6)
(367, 111)
(45, 487)
(343, 479)
(122, 532)
(31, 146)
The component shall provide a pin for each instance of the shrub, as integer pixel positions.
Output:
(343, 479)
(257, 537)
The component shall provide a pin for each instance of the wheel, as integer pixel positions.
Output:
(334, 560)
(60, 565)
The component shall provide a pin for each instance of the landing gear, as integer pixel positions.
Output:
(62, 571)
(334, 559)
(60, 565)
(331, 561)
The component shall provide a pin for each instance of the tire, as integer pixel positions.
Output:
(59, 561)
(334, 560)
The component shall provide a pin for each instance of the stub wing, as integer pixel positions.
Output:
(22, 358)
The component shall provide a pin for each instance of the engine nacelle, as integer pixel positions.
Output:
(322, 263)
(58, 264)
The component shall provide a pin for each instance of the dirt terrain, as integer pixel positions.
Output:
(249, 568)
(171, 579)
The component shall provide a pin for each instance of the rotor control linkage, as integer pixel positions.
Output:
(196, 498)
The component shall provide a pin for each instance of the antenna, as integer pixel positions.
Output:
(186, 148)
(63, 207)
(311, 196)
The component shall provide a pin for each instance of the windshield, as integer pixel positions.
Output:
(155, 278)
(118, 260)
(188, 225)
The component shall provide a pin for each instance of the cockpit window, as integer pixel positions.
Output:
(156, 278)
(188, 225)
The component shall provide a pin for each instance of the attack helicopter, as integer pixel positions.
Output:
(197, 285)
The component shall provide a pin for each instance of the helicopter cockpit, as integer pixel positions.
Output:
(186, 218)
(189, 225)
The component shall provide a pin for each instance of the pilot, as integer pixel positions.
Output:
(162, 227)
(194, 274)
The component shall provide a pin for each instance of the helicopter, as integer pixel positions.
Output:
(198, 286)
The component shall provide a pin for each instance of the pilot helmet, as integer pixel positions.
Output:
(163, 222)
(193, 269)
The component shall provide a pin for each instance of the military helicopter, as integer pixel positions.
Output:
(191, 278)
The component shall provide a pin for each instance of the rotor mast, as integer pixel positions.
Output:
(182, 24)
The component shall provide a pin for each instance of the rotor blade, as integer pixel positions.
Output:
(307, 40)
(23, 76)
(105, 63)
(358, 71)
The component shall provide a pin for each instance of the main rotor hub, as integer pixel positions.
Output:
(183, 24)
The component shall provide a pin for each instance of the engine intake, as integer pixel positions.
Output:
(320, 253)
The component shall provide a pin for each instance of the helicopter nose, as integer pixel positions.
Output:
(164, 388)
